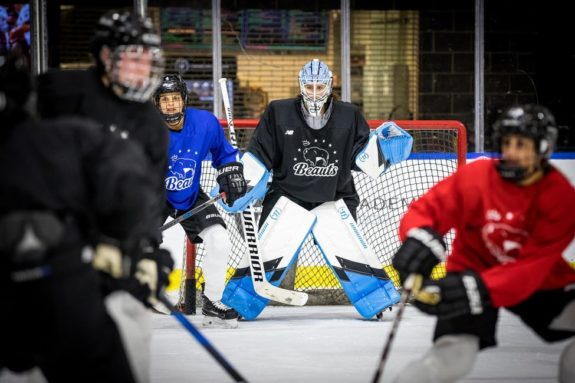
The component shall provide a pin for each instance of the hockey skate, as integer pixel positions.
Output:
(217, 314)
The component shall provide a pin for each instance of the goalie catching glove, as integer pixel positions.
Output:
(420, 252)
(387, 145)
(456, 294)
(152, 272)
(231, 181)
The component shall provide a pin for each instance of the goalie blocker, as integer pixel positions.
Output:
(256, 176)
(343, 246)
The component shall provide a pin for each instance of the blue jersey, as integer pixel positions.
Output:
(200, 135)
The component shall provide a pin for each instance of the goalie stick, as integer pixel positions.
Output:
(261, 285)
(189, 213)
(411, 284)
(202, 340)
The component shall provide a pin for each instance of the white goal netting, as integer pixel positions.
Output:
(438, 149)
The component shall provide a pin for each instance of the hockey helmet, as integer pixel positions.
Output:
(172, 83)
(315, 82)
(530, 120)
(129, 36)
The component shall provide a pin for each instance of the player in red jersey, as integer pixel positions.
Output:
(514, 220)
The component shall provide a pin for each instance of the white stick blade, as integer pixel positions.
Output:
(288, 297)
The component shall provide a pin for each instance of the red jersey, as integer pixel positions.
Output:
(513, 236)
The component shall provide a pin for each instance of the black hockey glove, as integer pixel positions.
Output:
(231, 181)
(152, 271)
(456, 294)
(422, 250)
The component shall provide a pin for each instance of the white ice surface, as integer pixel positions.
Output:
(333, 344)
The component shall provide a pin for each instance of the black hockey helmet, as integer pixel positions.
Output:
(172, 83)
(128, 34)
(123, 28)
(530, 120)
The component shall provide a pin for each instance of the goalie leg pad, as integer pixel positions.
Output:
(281, 237)
(352, 260)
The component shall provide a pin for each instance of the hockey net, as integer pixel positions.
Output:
(439, 147)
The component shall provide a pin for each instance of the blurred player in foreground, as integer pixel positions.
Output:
(71, 193)
(117, 93)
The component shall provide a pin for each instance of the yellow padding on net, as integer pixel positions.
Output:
(315, 277)
(175, 278)
(321, 277)
(307, 277)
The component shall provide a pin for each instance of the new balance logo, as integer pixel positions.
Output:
(289, 133)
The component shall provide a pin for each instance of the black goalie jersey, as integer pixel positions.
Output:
(310, 165)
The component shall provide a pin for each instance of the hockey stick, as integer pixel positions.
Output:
(195, 210)
(202, 340)
(412, 283)
(261, 285)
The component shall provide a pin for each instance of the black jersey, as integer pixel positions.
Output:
(310, 165)
(83, 93)
(71, 167)
(89, 182)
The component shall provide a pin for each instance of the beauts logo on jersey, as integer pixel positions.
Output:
(315, 160)
(503, 235)
(181, 173)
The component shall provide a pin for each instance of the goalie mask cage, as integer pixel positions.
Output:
(439, 147)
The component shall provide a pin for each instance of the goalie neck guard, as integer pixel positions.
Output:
(172, 83)
(532, 121)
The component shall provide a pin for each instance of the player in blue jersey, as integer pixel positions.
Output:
(194, 134)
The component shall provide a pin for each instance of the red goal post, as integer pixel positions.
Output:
(439, 148)
(454, 127)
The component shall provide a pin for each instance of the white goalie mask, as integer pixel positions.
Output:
(315, 80)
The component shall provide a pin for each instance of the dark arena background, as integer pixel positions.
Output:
(441, 69)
